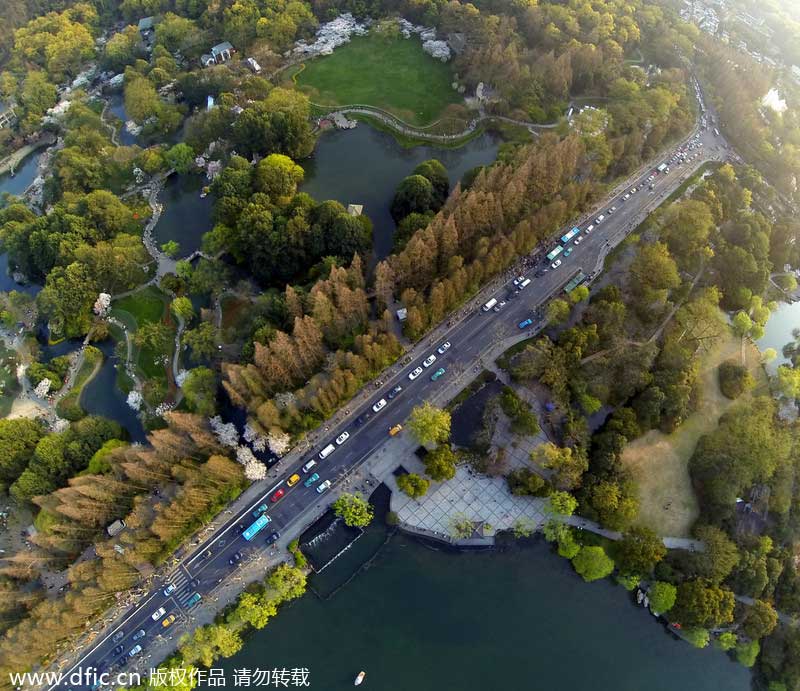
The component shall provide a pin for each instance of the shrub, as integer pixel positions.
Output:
(734, 379)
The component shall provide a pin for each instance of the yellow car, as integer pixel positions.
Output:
(395, 430)
(167, 620)
(292, 481)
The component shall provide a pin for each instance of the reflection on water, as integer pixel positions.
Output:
(778, 331)
(364, 166)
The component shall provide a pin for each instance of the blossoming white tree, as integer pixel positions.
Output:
(225, 432)
(255, 471)
(279, 442)
(134, 400)
(43, 388)
(102, 304)
(254, 438)
(245, 456)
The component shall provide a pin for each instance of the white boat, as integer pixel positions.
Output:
(360, 678)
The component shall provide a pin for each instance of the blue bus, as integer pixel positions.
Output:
(558, 250)
(254, 529)
(571, 234)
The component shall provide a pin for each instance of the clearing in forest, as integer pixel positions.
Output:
(659, 462)
(394, 74)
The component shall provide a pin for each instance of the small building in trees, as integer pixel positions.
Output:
(355, 209)
(7, 115)
(253, 65)
(222, 52)
(402, 314)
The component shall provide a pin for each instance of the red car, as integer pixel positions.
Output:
(278, 495)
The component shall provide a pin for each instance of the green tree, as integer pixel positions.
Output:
(747, 653)
(18, 440)
(662, 596)
(701, 603)
(562, 503)
(255, 609)
(209, 643)
(289, 582)
(568, 464)
(202, 340)
(592, 563)
(734, 379)
(200, 389)
(413, 485)
(760, 620)
(698, 637)
(171, 248)
(788, 382)
(180, 157)
(415, 194)
(639, 550)
(278, 176)
(726, 641)
(741, 323)
(436, 174)
(558, 311)
(354, 509)
(440, 464)
(429, 424)
(153, 335)
(182, 307)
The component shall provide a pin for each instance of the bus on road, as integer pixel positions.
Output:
(253, 530)
(554, 253)
(568, 236)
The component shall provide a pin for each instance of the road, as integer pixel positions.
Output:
(473, 332)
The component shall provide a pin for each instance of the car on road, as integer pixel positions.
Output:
(633, 190)
(626, 197)
(393, 431)
(141, 633)
(443, 348)
(380, 405)
(428, 361)
(518, 280)
(311, 480)
(555, 264)
(612, 209)
(394, 392)
(133, 652)
(193, 600)
(293, 480)
(190, 586)
(342, 438)
(324, 486)
(169, 590)
(578, 240)
(160, 612)
(499, 306)
(118, 636)
(567, 251)
(308, 466)
(277, 496)
(272, 538)
(525, 323)
(589, 228)
(361, 419)
(599, 219)
(413, 375)
(259, 510)
(118, 649)
(168, 621)
(236, 557)
(438, 373)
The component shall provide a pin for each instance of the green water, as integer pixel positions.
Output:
(516, 620)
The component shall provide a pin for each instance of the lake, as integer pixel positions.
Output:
(364, 166)
(778, 331)
(519, 619)
(24, 175)
(186, 217)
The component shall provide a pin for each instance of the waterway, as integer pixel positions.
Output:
(24, 175)
(778, 331)
(364, 166)
(116, 106)
(186, 217)
(518, 620)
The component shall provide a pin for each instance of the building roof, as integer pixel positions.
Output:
(221, 48)
(146, 23)
(355, 209)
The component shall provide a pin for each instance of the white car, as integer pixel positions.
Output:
(413, 375)
(589, 228)
(578, 240)
(380, 405)
(633, 190)
(342, 438)
(322, 487)
(169, 590)
(518, 280)
(612, 209)
(428, 361)
(443, 348)
(627, 197)
(555, 264)
(499, 306)
(160, 612)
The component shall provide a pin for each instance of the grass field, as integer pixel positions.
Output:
(659, 462)
(390, 73)
(9, 385)
(69, 407)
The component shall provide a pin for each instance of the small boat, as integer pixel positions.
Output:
(646, 602)
(639, 597)
(360, 678)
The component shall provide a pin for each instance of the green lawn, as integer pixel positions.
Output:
(390, 73)
(9, 386)
(147, 305)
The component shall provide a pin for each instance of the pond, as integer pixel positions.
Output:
(23, 176)
(364, 166)
(8, 283)
(102, 396)
(431, 620)
(778, 331)
(186, 217)
(116, 106)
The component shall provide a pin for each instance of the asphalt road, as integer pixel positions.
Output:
(473, 333)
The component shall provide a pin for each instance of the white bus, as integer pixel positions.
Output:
(490, 304)
(327, 451)
(552, 255)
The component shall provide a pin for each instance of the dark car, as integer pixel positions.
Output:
(190, 586)
(272, 538)
(118, 636)
(362, 419)
(118, 649)
(236, 558)
(396, 390)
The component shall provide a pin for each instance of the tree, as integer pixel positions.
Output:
(662, 597)
(153, 335)
(210, 642)
(182, 307)
(568, 464)
(180, 157)
(734, 379)
(413, 485)
(278, 176)
(200, 389)
(429, 425)
(170, 248)
(592, 563)
(18, 440)
(562, 503)
(288, 582)
(356, 511)
(415, 194)
(747, 653)
(698, 637)
(720, 555)
(255, 609)
(788, 382)
(639, 550)
(558, 311)
(760, 620)
(701, 603)
(726, 641)
(440, 464)
(202, 340)
(741, 323)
